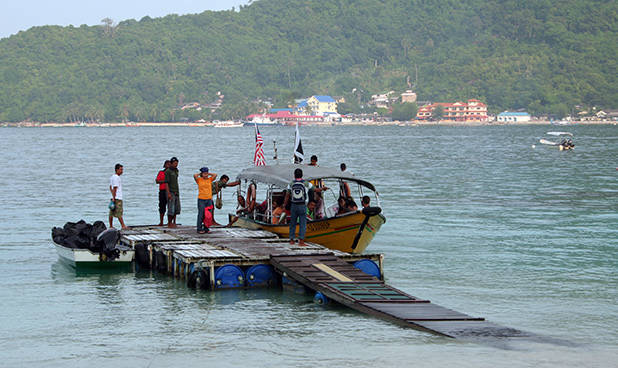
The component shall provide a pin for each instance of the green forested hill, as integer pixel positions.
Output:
(546, 56)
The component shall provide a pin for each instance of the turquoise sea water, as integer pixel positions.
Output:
(477, 220)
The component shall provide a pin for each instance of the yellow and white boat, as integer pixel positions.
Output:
(349, 232)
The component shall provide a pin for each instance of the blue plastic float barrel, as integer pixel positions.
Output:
(260, 275)
(369, 267)
(229, 276)
(320, 298)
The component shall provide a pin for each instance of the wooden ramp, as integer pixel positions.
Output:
(347, 285)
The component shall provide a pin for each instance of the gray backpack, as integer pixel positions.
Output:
(298, 192)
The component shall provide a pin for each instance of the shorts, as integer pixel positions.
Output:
(173, 205)
(117, 211)
(162, 201)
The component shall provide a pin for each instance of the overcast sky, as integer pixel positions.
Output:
(19, 15)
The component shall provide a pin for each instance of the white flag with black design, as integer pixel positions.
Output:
(298, 148)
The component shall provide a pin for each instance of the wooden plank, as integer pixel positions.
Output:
(324, 268)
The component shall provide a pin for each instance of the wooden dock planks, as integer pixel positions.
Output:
(340, 281)
(327, 271)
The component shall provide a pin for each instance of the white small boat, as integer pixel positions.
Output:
(228, 124)
(78, 256)
(565, 143)
(111, 253)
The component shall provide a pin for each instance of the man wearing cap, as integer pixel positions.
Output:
(115, 187)
(204, 181)
(173, 195)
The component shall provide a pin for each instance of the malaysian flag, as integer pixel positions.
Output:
(258, 157)
(298, 148)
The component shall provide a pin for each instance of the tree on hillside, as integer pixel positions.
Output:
(404, 112)
(438, 113)
(108, 27)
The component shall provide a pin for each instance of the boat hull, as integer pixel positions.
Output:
(338, 233)
(83, 257)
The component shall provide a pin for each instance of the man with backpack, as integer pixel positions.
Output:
(297, 197)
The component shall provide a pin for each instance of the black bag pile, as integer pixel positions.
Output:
(79, 235)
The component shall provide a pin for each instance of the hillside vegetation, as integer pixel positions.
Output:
(545, 56)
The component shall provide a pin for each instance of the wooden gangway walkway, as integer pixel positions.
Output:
(344, 283)
(184, 254)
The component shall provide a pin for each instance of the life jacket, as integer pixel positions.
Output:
(298, 192)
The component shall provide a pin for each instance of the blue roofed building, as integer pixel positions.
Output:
(513, 117)
(322, 105)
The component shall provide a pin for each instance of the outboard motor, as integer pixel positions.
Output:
(106, 241)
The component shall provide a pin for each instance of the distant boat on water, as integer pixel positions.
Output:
(228, 124)
(561, 122)
(262, 120)
(565, 143)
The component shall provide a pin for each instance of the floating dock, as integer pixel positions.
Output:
(237, 258)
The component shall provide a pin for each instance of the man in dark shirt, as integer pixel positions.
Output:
(173, 195)
(217, 186)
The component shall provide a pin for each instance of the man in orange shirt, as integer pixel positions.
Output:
(204, 181)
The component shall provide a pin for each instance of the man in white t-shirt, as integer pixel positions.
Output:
(115, 187)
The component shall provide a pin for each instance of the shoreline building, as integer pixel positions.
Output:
(408, 97)
(471, 111)
(513, 117)
(316, 105)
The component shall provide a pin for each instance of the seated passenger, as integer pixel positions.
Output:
(341, 206)
(365, 201)
(319, 206)
(250, 201)
(278, 213)
(310, 210)
(241, 210)
(260, 211)
(350, 204)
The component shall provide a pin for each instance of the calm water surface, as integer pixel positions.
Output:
(477, 220)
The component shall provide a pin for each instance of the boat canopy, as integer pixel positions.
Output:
(282, 175)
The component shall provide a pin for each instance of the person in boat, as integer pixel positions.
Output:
(240, 210)
(365, 201)
(261, 210)
(340, 208)
(173, 194)
(344, 188)
(351, 204)
(217, 186)
(115, 187)
(319, 206)
(160, 179)
(278, 216)
(311, 210)
(250, 200)
(297, 196)
(313, 161)
(204, 181)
